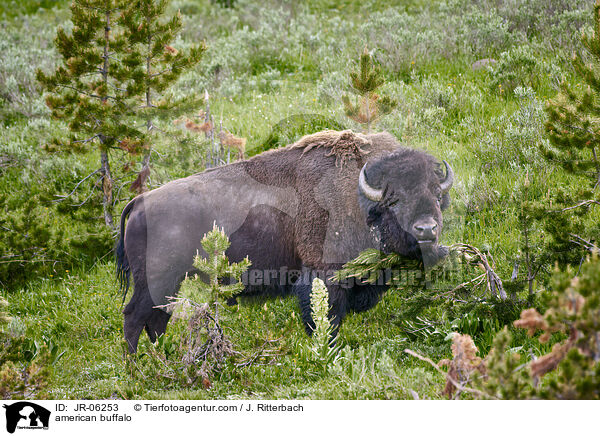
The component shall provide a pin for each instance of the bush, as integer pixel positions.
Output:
(401, 41)
(39, 235)
(483, 32)
(520, 67)
(24, 49)
(25, 365)
(514, 140)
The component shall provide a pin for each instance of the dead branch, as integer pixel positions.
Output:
(31, 261)
(583, 203)
(90, 194)
(588, 245)
(85, 141)
(260, 354)
(64, 197)
(474, 255)
(479, 279)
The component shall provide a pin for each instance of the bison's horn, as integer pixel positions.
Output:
(449, 180)
(369, 192)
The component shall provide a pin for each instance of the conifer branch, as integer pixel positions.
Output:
(81, 91)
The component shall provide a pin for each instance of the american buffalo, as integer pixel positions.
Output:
(296, 212)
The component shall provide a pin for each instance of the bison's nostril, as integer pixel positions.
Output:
(425, 230)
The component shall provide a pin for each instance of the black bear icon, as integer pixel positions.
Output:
(30, 413)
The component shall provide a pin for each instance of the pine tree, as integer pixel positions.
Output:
(206, 344)
(217, 268)
(574, 131)
(113, 62)
(368, 106)
(529, 244)
(90, 89)
(154, 62)
(573, 117)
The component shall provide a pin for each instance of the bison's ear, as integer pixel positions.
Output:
(445, 201)
(374, 215)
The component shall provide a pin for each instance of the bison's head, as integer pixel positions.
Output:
(403, 194)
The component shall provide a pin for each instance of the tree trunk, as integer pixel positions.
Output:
(107, 182)
(146, 161)
(107, 186)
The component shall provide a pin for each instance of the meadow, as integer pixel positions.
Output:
(266, 62)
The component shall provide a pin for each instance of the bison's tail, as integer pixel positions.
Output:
(123, 270)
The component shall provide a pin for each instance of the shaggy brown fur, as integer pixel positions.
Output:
(344, 145)
(312, 163)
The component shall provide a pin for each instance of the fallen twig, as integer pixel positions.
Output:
(260, 354)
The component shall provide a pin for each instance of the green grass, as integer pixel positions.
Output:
(267, 73)
(80, 314)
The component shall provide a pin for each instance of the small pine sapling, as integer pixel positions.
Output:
(368, 105)
(571, 370)
(217, 267)
(206, 345)
(573, 312)
(532, 257)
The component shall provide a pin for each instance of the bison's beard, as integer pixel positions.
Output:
(394, 239)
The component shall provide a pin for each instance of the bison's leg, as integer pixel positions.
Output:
(302, 289)
(137, 313)
(157, 323)
(140, 312)
(363, 297)
(337, 302)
